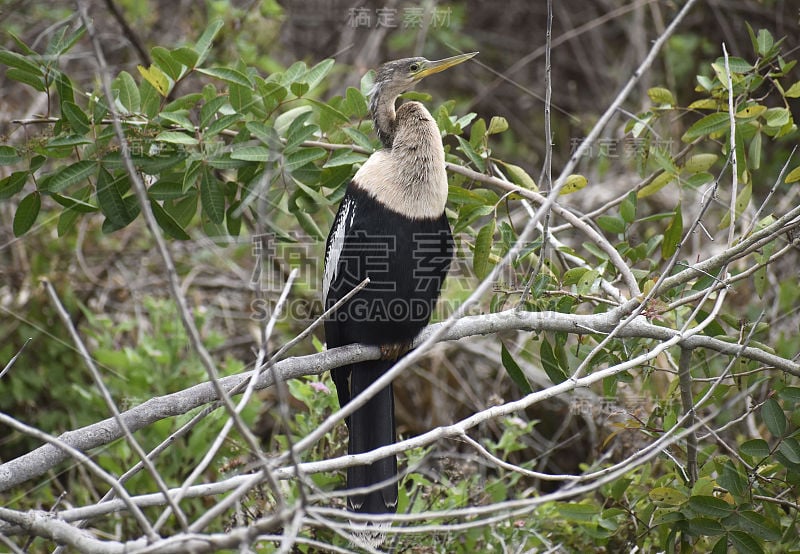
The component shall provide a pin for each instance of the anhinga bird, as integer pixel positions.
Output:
(391, 227)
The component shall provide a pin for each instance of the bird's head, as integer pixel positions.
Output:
(399, 76)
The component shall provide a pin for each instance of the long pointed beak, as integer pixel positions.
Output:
(440, 65)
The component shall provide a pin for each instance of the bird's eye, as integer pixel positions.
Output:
(414, 67)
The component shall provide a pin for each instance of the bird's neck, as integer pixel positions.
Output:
(410, 178)
(381, 106)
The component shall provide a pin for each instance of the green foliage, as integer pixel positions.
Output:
(243, 145)
(241, 126)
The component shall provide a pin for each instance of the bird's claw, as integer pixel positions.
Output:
(394, 350)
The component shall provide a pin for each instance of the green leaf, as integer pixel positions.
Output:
(744, 543)
(128, 92)
(302, 157)
(167, 222)
(358, 138)
(737, 65)
(777, 117)
(298, 132)
(210, 109)
(253, 154)
(791, 394)
(519, 176)
(658, 183)
(660, 95)
(228, 75)
(265, 134)
(355, 104)
(774, 418)
(793, 176)
(760, 281)
(180, 118)
(793, 91)
(186, 56)
(514, 371)
(71, 175)
(750, 112)
(316, 74)
(9, 155)
(77, 119)
(26, 214)
(309, 225)
(573, 275)
(65, 89)
(241, 99)
(344, 157)
(481, 264)
(574, 511)
(627, 209)
(699, 179)
(732, 480)
(232, 221)
(758, 525)
(497, 124)
(667, 495)
(221, 124)
(705, 526)
(18, 61)
(12, 184)
(294, 73)
(612, 224)
(110, 201)
(33, 80)
(156, 78)
(764, 42)
(470, 152)
(700, 162)
(176, 137)
(742, 201)
(212, 198)
(790, 448)
(165, 190)
(68, 141)
(74, 203)
(203, 44)
(66, 221)
(757, 448)
(477, 133)
(272, 94)
(329, 117)
(288, 118)
(586, 284)
(754, 152)
(710, 124)
(550, 363)
(710, 506)
(704, 104)
(62, 40)
(573, 183)
(672, 235)
(167, 63)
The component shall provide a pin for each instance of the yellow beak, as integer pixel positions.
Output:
(440, 65)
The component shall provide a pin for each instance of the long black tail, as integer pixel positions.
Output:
(371, 427)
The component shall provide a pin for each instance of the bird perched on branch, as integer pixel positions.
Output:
(391, 227)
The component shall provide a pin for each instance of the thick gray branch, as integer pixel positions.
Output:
(37, 462)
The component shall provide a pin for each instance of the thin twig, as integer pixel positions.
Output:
(732, 154)
(14, 358)
(90, 464)
(685, 378)
(109, 400)
(172, 277)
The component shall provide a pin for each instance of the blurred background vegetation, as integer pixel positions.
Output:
(114, 286)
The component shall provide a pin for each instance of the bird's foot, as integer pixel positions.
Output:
(394, 350)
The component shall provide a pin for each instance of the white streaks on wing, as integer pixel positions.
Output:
(344, 220)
